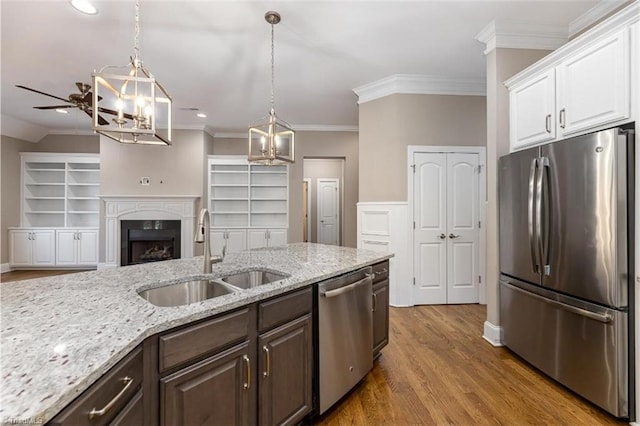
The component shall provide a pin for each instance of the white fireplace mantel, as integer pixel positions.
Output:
(136, 207)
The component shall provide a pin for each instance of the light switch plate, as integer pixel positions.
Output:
(145, 181)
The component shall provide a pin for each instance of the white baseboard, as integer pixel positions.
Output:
(107, 265)
(492, 334)
(397, 305)
(4, 267)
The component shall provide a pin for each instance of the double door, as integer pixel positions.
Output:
(446, 228)
(32, 247)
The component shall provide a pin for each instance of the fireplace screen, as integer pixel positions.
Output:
(149, 241)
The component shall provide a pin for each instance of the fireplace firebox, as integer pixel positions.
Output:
(145, 241)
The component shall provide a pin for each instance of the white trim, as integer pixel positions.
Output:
(522, 35)
(73, 132)
(597, 12)
(231, 135)
(136, 207)
(482, 204)
(324, 128)
(4, 267)
(492, 334)
(420, 85)
(102, 265)
(308, 180)
(624, 18)
(338, 203)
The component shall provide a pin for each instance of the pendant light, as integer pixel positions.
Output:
(141, 105)
(271, 140)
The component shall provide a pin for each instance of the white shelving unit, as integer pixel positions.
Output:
(58, 192)
(245, 196)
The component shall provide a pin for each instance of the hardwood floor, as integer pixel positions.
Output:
(28, 274)
(437, 370)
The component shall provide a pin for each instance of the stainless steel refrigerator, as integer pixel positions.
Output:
(566, 258)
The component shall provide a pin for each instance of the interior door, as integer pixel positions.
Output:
(328, 208)
(446, 235)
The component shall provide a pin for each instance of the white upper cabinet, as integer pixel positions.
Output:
(589, 84)
(533, 110)
(593, 85)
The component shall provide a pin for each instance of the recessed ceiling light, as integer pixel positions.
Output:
(84, 6)
(62, 111)
(201, 115)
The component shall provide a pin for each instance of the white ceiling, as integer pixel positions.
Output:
(214, 55)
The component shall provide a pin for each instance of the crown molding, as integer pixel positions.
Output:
(324, 128)
(419, 85)
(72, 132)
(20, 129)
(522, 35)
(593, 15)
(231, 135)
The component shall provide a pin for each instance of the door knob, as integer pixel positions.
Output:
(442, 236)
(453, 236)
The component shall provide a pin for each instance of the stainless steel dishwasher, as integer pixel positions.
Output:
(345, 334)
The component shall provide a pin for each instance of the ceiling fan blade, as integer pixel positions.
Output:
(42, 93)
(55, 107)
(110, 111)
(101, 121)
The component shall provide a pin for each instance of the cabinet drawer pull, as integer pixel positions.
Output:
(268, 363)
(127, 381)
(247, 365)
(547, 123)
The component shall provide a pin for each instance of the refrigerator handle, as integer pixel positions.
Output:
(532, 246)
(542, 214)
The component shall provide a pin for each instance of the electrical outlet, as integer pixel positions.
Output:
(145, 181)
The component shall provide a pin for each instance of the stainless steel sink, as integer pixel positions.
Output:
(185, 293)
(254, 278)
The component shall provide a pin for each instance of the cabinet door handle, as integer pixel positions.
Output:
(562, 118)
(442, 236)
(547, 123)
(247, 371)
(127, 381)
(267, 370)
(375, 302)
(452, 236)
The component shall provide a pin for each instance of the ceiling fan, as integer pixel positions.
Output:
(83, 101)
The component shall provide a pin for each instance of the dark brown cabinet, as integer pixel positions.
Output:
(214, 391)
(380, 307)
(112, 398)
(285, 372)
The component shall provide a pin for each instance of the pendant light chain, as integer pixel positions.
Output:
(272, 71)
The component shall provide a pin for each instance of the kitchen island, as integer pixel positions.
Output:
(61, 334)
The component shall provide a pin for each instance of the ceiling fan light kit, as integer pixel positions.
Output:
(271, 140)
(84, 6)
(141, 104)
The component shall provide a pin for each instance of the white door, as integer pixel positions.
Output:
(236, 240)
(218, 240)
(20, 248)
(277, 237)
(87, 247)
(446, 236)
(257, 238)
(44, 247)
(66, 247)
(328, 208)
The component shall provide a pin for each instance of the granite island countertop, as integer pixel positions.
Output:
(60, 334)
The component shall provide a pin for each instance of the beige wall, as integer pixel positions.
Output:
(389, 125)
(10, 149)
(501, 65)
(322, 168)
(313, 145)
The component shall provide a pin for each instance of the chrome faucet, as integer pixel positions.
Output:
(203, 235)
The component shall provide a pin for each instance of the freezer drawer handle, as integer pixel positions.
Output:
(347, 288)
(605, 318)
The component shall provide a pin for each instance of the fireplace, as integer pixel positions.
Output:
(145, 241)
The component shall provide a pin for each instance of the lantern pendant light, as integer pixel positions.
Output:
(271, 140)
(141, 105)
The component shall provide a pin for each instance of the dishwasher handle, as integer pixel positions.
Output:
(347, 288)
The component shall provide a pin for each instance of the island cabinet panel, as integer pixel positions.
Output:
(380, 296)
(214, 391)
(113, 397)
(285, 373)
(285, 308)
(194, 341)
(132, 414)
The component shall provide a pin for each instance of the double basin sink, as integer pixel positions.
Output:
(197, 290)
